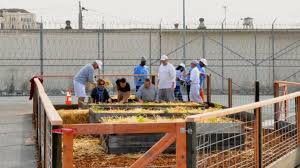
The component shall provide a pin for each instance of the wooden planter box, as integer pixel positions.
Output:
(219, 136)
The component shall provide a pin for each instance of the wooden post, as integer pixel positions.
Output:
(191, 145)
(68, 149)
(181, 145)
(208, 88)
(276, 105)
(258, 139)
(297, 104)
(256, 91)
(229, 92)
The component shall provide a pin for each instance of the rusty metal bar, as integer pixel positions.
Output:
(208, 78)
(258, 139)
(229, 92)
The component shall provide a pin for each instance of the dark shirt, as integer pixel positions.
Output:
(124, 89)
(100, 95)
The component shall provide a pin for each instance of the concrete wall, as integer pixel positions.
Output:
(64, 52)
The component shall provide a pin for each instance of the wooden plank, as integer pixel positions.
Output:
(51, 113)
(287, 83)
(154, 151)
(88, 129)
(181, 161)
(247, 107)
(68, 150)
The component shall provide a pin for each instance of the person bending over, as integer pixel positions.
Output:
(123, 89)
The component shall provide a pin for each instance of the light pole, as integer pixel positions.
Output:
(80, 17)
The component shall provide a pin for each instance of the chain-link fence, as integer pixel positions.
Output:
(241, 54)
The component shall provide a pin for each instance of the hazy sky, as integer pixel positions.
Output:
(170, 11)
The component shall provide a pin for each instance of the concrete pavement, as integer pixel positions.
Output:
(15, 128)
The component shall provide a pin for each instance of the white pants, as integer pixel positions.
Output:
(79, 89)
(195, 93)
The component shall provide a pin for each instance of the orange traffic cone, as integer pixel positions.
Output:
(68, 98)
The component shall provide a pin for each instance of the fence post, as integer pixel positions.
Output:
(56, 149)
(258, 131)
(150, 51)
(256, 91)
(222, 56)
(258, 138)
(208, 88)
(41, 50)
(229, 92)
(297, 104)
(103, 57)
(159, 40)
(191, 141)
(276, 105)
(203, 44)
(181, 161)
(255, 54)
(68, 149)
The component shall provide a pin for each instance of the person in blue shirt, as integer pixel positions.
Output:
(141, 71)
(179, 80)
(201, 67)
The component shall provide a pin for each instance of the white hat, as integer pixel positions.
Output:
(182, 64)
(195, 62)
(204, 61)
(164, 57)
(99, 63)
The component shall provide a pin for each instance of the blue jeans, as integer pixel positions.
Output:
(178, 94)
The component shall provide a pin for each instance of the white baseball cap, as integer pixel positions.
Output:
(204, 61)
(182, 64)
(99, 63)
(164, 57)
(195, 62)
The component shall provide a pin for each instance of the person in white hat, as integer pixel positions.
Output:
(166, 80)
(84, 76)
(179, 80)
(201, 66)
(195, 83)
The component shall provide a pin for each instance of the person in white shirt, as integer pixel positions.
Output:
(195, 83)
(166, 80)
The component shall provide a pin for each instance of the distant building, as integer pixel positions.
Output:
(17, 19)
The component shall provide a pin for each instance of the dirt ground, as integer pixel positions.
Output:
(88, 153)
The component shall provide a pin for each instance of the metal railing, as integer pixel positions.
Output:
(244, 136)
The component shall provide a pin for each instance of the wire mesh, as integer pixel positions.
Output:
(226, 141)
